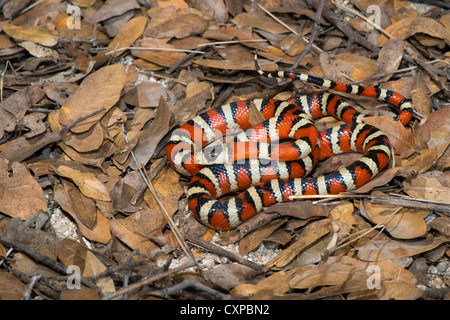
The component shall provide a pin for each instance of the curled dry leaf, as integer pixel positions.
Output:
(89, 185)
(92, 224)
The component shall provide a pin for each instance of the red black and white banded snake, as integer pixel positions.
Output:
(278, 170)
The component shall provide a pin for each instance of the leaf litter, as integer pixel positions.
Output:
(87, 104)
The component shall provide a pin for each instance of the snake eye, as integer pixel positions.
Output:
(212, 153)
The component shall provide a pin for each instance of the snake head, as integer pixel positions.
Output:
(214, 154)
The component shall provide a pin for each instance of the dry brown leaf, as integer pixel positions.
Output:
(165, 58)
(89, 185)
(390, 249)
(11, 288)
(168, 23)
(420, 95)
(169, 191)
(436, 120)
(29, 267)
(83, 207)
(99, 90)
(259, 21)
(432, 185)
(72, 253)
(353, 66)
(330, 274)
(85, 141)
(99, 225)
(20, 195)
(412, 25)
(251, 241)
(441, 224)
(83, 3)
(127, 35)
(125, 230)
(151, 136)
(30, 33)
(94, 267)
(406, 224)
(312, 232)
(389, 58)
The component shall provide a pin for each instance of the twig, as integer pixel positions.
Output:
(152, 49)
(42, 286)
(438, 3)
(356, 13)
(350, 34)
(151, 176)
(146, 281)
(172, 225)
(222, 252)
(287, 27)
(43, 259)
(314, 33)
(229, 42)
(358, 235)
(30, 286)
(190, 283)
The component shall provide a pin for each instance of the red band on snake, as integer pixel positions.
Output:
(279, 170)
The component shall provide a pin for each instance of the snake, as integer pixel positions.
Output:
(262, 164)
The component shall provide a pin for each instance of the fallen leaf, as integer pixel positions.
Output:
(168, 23)
(124, 229)
(20, 195)
(98, 225)
(30, 33)
(406, 224)
(433, 185)
(312, 232)
(410, 26)
(127, 35)
(11, 288)
(252, 240)
(89, 185)
(391, 249)
(99, 90)
(150, 136)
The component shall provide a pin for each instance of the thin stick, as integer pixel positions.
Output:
(356, 13)
(146, 281)
(314, 33)
(151, 49)
(55, 265)
(347, 241)
(229, 42)
(218, 250)
(287, 27)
